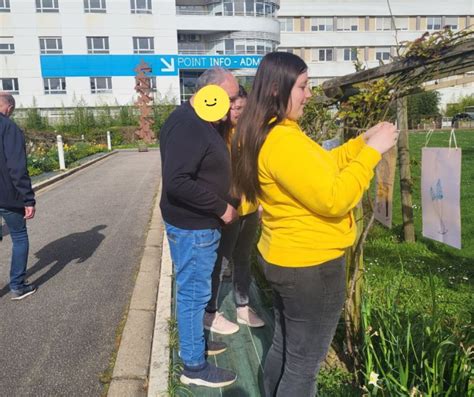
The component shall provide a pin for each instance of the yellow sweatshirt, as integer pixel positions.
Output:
(308, 195)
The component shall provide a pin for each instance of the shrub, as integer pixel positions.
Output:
(43, 160)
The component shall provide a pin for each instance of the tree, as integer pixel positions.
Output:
(460, 106)
(424, 105)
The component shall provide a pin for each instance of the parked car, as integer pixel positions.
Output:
(466, 116)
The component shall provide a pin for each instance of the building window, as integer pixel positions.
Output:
(100, 85)
(322, 24)
(4, 5)
(51, 45)
(383, 23)
(143, 45)
(95, 6)
(228, 7)
(434, 23)
(6, 45)
(140, 6)
(9, 85)
(250, 7)
(347, 24)
(47, 6)
(323, 54)
(350, 54)
(451, 22)
(286, 24)
(401, 23)
(382, 53)
(269, 9)
(239, 46)
(97, 45)
(54, 85)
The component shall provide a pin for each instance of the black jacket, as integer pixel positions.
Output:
(15, 184)
(196, 171)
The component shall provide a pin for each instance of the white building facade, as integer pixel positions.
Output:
(330, 35)
(56, 53)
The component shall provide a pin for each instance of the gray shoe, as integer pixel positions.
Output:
(215, 347)
(27, 290)
(209, 376)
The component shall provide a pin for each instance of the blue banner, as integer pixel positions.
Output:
(124, 65)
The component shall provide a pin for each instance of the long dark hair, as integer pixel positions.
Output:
(266, 107)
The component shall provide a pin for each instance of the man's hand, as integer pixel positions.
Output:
(29, 212)
(230, 215)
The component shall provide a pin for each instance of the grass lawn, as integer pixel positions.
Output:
(419, 298)
(387, 258)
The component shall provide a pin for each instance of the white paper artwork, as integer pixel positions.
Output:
(440, 194)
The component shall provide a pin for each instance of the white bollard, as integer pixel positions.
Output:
(109, 142)
(62, 163)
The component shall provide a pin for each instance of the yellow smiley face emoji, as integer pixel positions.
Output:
(211, 103)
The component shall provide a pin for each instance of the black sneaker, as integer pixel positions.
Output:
(27, 290)
(209, 376)
(214, 347)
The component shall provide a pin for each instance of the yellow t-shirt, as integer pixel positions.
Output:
(308, 195)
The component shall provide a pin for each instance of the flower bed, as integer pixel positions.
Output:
(43, 159)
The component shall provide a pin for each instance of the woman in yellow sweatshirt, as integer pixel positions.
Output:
(307, 195)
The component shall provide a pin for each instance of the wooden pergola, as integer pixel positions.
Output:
(453, 61)
(413, 73)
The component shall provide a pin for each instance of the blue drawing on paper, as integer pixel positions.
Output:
(437, 197)
(437, 192)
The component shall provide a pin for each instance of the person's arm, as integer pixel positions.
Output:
(347, 152)
(15, 155)
(184, 154)
(307, 176)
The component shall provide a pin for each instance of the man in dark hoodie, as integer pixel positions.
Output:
(195, 204)
(17, 199)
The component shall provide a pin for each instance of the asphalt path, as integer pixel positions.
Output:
(86, 243)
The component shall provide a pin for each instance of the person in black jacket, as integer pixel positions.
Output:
(17, 199)
(195, 203)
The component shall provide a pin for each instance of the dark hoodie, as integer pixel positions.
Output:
(15, 184)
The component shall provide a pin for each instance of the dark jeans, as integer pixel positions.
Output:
(17, 226)
(307, 303)
(236, 244)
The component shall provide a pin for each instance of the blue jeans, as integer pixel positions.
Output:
(17, 227)
(194, 254)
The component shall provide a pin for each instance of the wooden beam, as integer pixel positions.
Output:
(452, 61)
(448, 83)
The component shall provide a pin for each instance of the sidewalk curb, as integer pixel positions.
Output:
(41, 185)
(132, 365)
(160, 355)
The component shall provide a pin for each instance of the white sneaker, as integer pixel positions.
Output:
(216, 322)
(246, 315)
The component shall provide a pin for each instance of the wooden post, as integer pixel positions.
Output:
(355, 275)
(405, 173)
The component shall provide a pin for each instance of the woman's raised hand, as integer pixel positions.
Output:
(382, 136)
